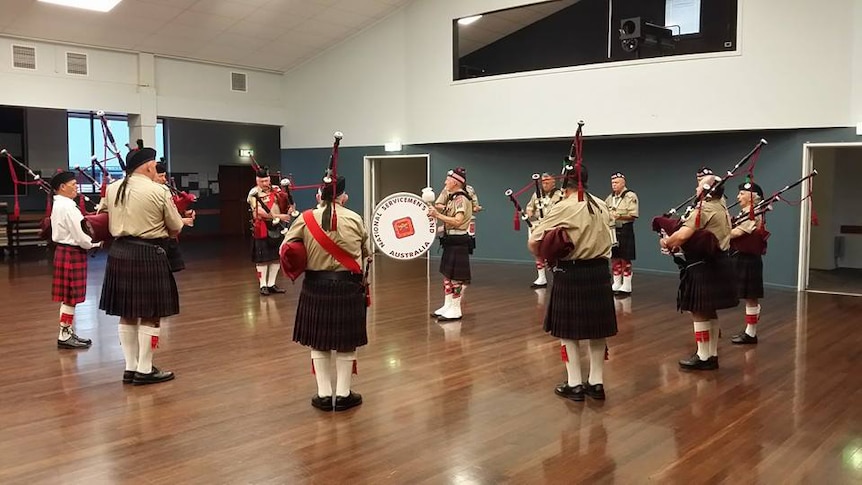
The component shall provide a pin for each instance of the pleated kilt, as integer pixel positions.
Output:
(626, 240)
(749, 275)
(175, 256)
(265, 250)
(70, 275)
(138, 280)
(455, 264)
(707, 285)
(331, 311)
(582, 302)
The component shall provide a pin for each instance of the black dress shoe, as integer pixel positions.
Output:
(595, 391)
(264, 291)
(534, 286)
(694, 363)
(153, 377)
(276, 289)
(73, 343)
(574, 393)
(343, 403)
(128, 376)
(82, 339)
(743, 339)
(322, 403)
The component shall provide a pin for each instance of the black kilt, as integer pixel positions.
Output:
(138, 280)
(749, 275)
(582, 301)
(626, 243)
(265, 250)
(455, 264)
(70, 274)
(707, 285)
(331, 311)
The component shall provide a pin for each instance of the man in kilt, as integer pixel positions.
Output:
(623, 204)
(267, 225)
(707, 279)
(139, 286)
(70, 257)
(582, 303)
(550, 196)
(456, 242)
(748, 263)
(332, 306)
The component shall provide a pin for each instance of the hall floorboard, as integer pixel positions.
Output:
(459, 403)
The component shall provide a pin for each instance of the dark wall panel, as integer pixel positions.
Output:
(659, 168)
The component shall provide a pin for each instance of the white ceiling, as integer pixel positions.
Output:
(266, 34)
(494, 26)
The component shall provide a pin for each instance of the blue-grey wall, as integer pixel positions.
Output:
(659, 168)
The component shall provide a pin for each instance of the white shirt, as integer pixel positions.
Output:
(66, 221)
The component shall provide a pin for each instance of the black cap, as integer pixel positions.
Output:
(459, 174)
(570, 181)
(61, 178)
(139, 156)
(751, 187)
(704, 171)
(161, 168)
(340, 187)
(617, 175)
(262, 172)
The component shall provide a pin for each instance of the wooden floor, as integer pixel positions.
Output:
(468, 403)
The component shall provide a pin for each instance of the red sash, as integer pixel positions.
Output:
(261, 230)
(334, 250)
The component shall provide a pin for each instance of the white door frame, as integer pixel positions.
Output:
(805, 212)
(368, 180)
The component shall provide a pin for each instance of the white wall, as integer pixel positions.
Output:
(202, 91)
(775, 80)
(856, 62)
(359, 88)
(183, 89)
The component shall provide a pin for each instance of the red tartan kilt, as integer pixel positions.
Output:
(70, 275)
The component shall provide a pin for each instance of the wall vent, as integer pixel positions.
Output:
(238, 82)
(23, 57)
(76, 63)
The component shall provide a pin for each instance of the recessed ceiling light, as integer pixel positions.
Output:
(97, 5)
(469, 20)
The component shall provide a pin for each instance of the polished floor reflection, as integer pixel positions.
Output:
(469, 402)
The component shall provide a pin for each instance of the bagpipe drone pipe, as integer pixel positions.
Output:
(755, 242)
(94, 224)
(702, 244)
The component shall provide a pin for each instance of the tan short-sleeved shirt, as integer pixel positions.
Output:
(715, 219)
(146, 212)
(444, 196)
(455, 205)
(548, 201)
(590, 233)
(351, 236)
(624, 205)
(748, 225)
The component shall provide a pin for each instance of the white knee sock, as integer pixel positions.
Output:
(344, 367)
(272, 274)
(321, 364)
(67, 315)
(148, 340)
(597, 360)
(129, 343)
(714, 329)
(752, 316)
(261, 274)
(569, 351)
(701, 336)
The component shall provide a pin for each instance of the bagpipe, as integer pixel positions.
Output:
(755, 242)
(702, 244)
(95, 225)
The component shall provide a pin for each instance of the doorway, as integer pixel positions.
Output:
(234, 184)
(830, 253)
